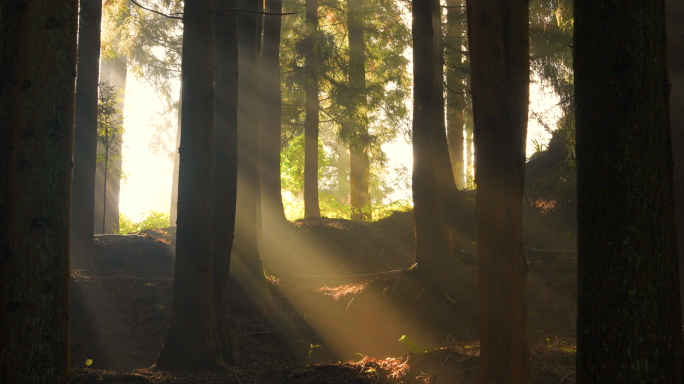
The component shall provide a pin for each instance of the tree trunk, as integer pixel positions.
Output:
(456, 90)
(225, 164)
(432, 254)
(173, 214)
(498, 35)
(85, 135)
(675, 55)
(468, 119)
(113, 72)
(629, 325)
(311, 207)
(37, 85)
(246, 263)
(270, 131)
(191, 342)
(359, 160)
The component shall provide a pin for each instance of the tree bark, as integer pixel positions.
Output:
(432, 254)
(674, 13)
(85, 135)
(629, 325)
(456, 90)
(37, 86)
(246, 262)
(498, 37)
(173, 214)
(359, 160)
(270, 131)
(225, 165)
(191, 342)
(113, 72)
(311, 206)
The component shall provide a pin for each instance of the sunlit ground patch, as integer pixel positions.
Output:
(344, 290)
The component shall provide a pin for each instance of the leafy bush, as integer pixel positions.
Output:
(151, 219)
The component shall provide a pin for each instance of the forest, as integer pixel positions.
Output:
(535, 237)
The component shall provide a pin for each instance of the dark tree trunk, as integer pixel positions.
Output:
(629, 325)
(359, 161)
(498, 35)
(272, 209)
(225, 164)
(85, 134)
(37, 85)
(246, 263)
(432, 254)
(191, 342)
(455, 90)
(675, 63)
(311, 207)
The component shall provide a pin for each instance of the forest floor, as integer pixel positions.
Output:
(343, 294)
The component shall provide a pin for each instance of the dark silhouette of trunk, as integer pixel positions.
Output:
(246, 261)
(359, 160)
(107, 199)
(192, 340)
(37, 87)
(629, 325)
(675, 63)
(85, 134)
(468, 119)
(498, 35)
(432, 254)
(271, 193)
(225, 164)
(455, 91)
(311, 208)
(173, 214)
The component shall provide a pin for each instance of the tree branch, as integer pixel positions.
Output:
(157, 12)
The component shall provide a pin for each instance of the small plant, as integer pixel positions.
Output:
(314, 346)
(89, 362)
(408, 342)
(151, 219)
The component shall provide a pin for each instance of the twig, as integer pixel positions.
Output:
(157, 12)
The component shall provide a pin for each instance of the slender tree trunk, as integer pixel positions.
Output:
(192, 340)
(37, 85)
(432, 254)
(498, 36)
(113, 72)
(359, 172)
(225, 164)
(456, 90)
(246, 262)
(311, 207)
(173, 215)
(675, 56)
(629, 325)
(470, 169)
(270, 132)
(85, 134)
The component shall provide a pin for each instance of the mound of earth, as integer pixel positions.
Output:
(142, 256)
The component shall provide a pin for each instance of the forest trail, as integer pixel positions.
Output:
(344, 294)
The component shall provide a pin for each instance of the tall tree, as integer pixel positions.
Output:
(675, 65)
(432, 254)
(225, 164)
(629, 325)
(108, 174)
(498, 35)
(37, 86)
(311, 208)
(192, 340)
(453, 49)
(359, 159)
(270, 124)
(85, 134)
(246, 262)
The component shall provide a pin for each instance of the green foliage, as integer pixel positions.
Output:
(151, 219)
(292, 165)
(408, 342)
(109, 128)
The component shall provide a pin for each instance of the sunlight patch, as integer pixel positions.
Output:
(343, 290)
